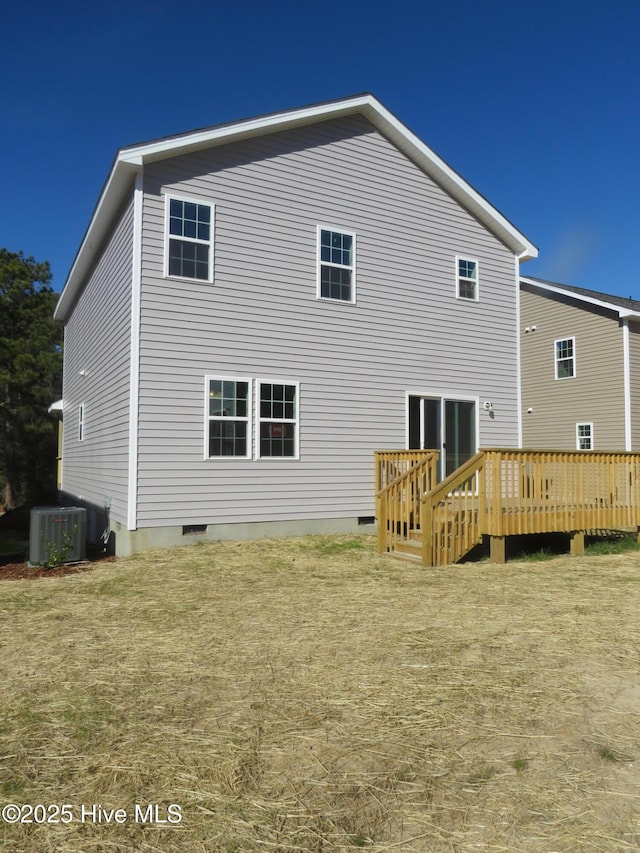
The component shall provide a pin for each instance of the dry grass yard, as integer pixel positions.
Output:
(310, 695)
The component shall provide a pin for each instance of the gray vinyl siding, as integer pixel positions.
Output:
(260, 319)
(97, 341)
(596, 393)
(634, 360)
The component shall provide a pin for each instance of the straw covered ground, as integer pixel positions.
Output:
(311, 695)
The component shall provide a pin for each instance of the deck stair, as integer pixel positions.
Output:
(499, 493)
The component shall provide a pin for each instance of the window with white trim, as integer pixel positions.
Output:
(277, 419)
(584, 436)
(565, 355)
(81, 422)
(189, 239)
(467, 279)
(228, 417)
(336, 265)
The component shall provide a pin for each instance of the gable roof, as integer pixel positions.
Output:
(129, 161)
(622, 306)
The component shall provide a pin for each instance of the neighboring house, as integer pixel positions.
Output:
(257, 307)
(580, 357)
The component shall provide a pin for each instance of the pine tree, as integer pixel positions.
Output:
(30, 380)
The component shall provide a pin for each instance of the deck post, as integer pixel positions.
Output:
(426, 523)
(576, 538)
(498, 549)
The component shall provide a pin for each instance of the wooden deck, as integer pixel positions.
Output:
(500, 493)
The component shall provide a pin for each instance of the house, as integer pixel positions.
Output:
(580, 357)
(257, 307)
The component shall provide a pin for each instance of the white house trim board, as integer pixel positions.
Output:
(129, 160)
(134, 367)
(518, 353)
(259, 420)
(319, 263)
(458, 278)
(371, 108)
(628, 439)
(168, 198)
(581, 297)
(442, 398)
(208, 418)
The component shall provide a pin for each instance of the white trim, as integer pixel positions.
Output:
(371, 108)
(460, 278)
(169, 197)
(591, 300)
(214, 377)
(295, 421)
(626, 356)
(337, 229)
(129, 159)
(518, 355)
(571, 338)
(442, 398)
(591, 436)
(134, 359)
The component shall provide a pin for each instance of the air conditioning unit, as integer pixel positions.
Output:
(57, 532)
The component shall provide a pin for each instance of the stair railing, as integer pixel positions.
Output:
(452, 514)
(398, 500)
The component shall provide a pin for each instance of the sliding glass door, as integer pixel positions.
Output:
(437, 423)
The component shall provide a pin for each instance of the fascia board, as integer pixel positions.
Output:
(130, 159)
(581, 297)
(451, 181)
(369, 106)
(176, 146)
(114, 193)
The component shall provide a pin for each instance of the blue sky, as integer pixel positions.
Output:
(537, 105)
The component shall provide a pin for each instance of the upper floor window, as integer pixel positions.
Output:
(584, 436)
(189, 239)
(278, 419)
(228, 417)
(565, 352)
(467, 279)
(336, 262)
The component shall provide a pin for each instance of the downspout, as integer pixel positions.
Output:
(134, 365)
(628, 440)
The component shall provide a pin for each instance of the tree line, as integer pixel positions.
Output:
(30, 381)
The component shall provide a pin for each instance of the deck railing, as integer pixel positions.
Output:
(546, 491)
(502, 493)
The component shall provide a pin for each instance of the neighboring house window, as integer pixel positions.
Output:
(278, 419)
(189, 239)
(584, 436)
(565, 351)
(81, 422)
(336, 259)
(467, 279)
(229, 416)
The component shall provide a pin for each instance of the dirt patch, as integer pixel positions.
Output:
(23, 571)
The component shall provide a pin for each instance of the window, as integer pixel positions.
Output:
(467, 279)
(336, 260)
(228, 417)
(278, 419)
(584, 436)
(565, 351)
(81, 422)
(189, 239)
